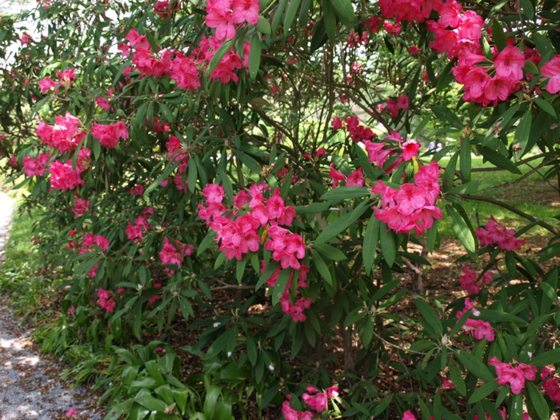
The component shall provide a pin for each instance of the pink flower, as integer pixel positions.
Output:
(173, 253)
(551, 70)
(356, 178)
(137, 190)
(291, 414)
(102, 103)
(551, 388)
(64, 136)
(104, 300)
(412, 206)
(509, 63)
(90, 240)
(35, 166)
(163, 8)
(219, 15)
(184, 72)
(136, 40)
(408, 415)
(63, 176)
(71, 412)
(336, 124)
(246, 11)
(336, 176)
(514, 376)
(410, 149)
(495, 233)
(81, 207)
(109, 134)
(47, 84)
(213, 193)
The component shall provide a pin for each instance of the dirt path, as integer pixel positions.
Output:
(29, 384)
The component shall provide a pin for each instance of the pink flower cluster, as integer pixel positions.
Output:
(109, 134)
(90, 240)
(104, 300)
(470, 281)
(476, 328)
(64, 135)
(36, 166)
(315, 399)
(175, 153)
(181, 69)
(81, 207)
(551, 384)
(64, 176)
(408, 415)
(164, 9)
(394, 107)
(515, 376)
(135, 230)
(458, 34)
(409, 10)
(237, 231)
(354, 179)
(65, 78)
(412, 205)
(551, 70)
(224, 15)
(294, 309)
(497, 234)
(173, 252)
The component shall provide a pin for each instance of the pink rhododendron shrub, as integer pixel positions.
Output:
(246, 202)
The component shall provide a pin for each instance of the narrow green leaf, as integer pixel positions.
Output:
(371, 238)
(322, 268)
(475, 366)
(538, 402)
(290, 15)
(342, 223)
(462, 229)
(255, 56)
(483, 392)
(388, 244)
(344, 10)
(429, 314)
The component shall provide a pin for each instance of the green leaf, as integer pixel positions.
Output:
(457, 378)
(217, 58)
(546, 107)
(528, 8)
(280, 286)
(388, 244)
(266, 274)
(483, 392)
(547, 358)
(329, 19)
(330, 252)
(344, 10)
(290, 15)
(145, 399)
(475, 366)
(538, 402)
(344, 193)
(499, 160)
(433, 323)
(524, 129)
(264, 26)
(206, 242)
(252, 350)
(322, 268)
(465, 154)
(255, 56)
(342, 223)
(462, 229)
(371, 238)
(498, 34)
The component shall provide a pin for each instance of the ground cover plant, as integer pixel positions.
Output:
(236, 203)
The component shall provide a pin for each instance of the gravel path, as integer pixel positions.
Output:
(29, 384)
